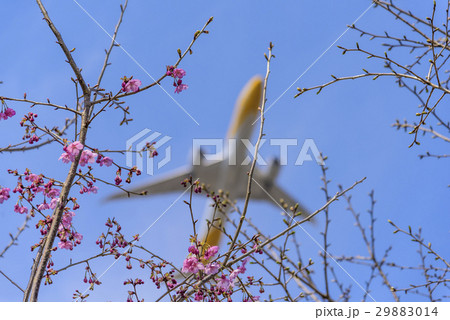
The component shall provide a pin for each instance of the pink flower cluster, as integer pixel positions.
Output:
(89, 189)
(20, 209)
(74, 149)
(196, 262)
(130, 85)
(30, 117)
(69, 237)
(71, 151)
(177, 75)
(32, 139)
(36, 186)
(201, 263)
(4, 194)
(227, 283)
(6, 112)
(104, 161)
(45, 206)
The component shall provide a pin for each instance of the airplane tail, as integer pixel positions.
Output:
(247, 105)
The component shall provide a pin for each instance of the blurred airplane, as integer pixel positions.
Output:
(228, 174)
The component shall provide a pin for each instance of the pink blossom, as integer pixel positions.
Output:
(4, 194)
(78, 237)
(105, 161)
(10, 112)
(33, 139)
(224, 283)
(74, 148)
(252, 299)
(18, 189)
(20, 209)
(92, 189)
(118, 180)
(68, 245)
(66, 158)
(234, 274)
(71, 151)
(43, 206)
(192, 265)
(53, 203)
(180, 87)
(211, 252)
(7, 113)
(87, 157)
(179, 73)
(33, 178)
(212, 268)
(240, 269)
(66, 220)
(53, 193)
(244, 262)
(169, 71)
(131, 85)
(193, 249)
(171, 284)
(198, 295)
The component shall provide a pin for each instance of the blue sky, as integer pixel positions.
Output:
(349, 122)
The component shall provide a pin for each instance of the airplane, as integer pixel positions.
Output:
(220, 175)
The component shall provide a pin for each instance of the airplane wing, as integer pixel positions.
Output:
(267, 189)
(171, 182)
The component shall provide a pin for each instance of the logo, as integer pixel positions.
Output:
(142, 149)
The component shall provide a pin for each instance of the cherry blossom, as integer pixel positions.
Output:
(53, 203)
(192, 265)
(65, 157)
(131, 85)
(33, 139)
(68, 245)
(4, 194)
(105, 161)
(193, 249)
(224, 283)
(87, 157)
(179, 73)
(74, 148)
(211, 252)
(71, 151)
(212, 268)
(43, 206)
(180, 87)
(78, 237)
(66, 220)
(20, 209)
(6, 112)
(238, 270)
(10, 112)
(52, 193)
